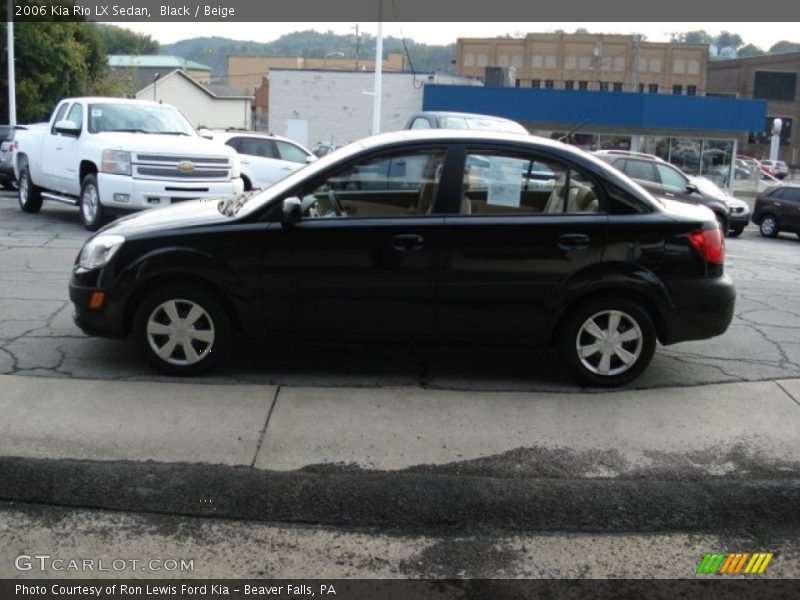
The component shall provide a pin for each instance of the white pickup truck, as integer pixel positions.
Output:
(112, 155)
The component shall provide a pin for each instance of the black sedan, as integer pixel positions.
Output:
(474, 237)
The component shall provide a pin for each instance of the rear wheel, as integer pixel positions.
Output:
(92, 213)
(28, 194)
(722, 222)
(608, 341)
(182, 330)
(768, 226)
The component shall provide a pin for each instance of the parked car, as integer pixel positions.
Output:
(665, 180)
(739, 210)
(320, 149)
(776, 168)
(264, 158)
(778, 209)
(113, 155)
(593, 263)
(457, 120)
(7, 148)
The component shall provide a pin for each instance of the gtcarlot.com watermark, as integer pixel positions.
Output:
(46, 562)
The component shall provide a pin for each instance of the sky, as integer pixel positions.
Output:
(763, 35)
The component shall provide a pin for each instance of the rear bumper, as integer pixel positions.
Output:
(701, 309)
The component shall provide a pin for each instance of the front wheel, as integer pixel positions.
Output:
(92, 213)
(768, 226)
(29, 195)
(182, 330)
(608, 341)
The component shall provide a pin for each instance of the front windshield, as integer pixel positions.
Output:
(708, 187)
(138, 118)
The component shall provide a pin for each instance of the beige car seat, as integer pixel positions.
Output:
(582, 199)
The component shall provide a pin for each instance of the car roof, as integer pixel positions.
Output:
(229, 133)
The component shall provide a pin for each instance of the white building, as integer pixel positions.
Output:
(211, 106)
(310, 106)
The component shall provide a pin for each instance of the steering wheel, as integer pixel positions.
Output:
(336, 206)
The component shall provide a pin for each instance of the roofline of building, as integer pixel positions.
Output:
(189, 78)
(781, 56)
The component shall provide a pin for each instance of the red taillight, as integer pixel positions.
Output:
(710, 244)
(12, 146)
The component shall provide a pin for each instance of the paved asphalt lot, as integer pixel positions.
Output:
(37, 336)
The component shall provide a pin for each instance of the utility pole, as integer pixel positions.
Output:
(358, 46)
(376, 101)
(12, 87)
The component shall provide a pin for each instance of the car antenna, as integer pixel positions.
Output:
(564, 138)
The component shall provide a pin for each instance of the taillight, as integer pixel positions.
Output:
(710, 244)
(12, 146)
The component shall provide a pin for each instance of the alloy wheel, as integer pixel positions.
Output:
(609, 343)
(89, 203)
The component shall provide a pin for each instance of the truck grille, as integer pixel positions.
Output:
(179, 167)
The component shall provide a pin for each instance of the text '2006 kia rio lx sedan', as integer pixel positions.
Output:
(420, 235)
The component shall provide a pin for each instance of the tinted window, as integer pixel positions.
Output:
(396, 185)
(291, 152)
(792, 194)
(233, 143)
(671, 177)
(639, 169)
(776, 193)
(503, 183)
(256, 147)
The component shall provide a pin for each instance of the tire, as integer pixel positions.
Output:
(607, 368)
(247, 185)
(768, 226)
(722, 222)
(181, 301)
(92, 213)
(736, 231)
(29, 195)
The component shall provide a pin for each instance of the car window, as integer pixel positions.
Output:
(396, 185)
(6, 133)
(256, 147)
(640, 169)
(59, 116)
(233, 143)
(791, 194)
(502, 183)
(421, 123)
(291, 152)
(775, 193)
(76, 115)
(671, 177)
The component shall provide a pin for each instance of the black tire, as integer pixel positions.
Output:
(722, 221)
(214, 322)
(91, 210)
(588, 369)
(768, 226)
(29, 195)
(736, 231)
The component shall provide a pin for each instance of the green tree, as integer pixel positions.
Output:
(118, 40)
(693, 37)
(784, 46)
(53, 60)
(728, 40)
(750, 50)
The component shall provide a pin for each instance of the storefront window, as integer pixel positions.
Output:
(716, 163)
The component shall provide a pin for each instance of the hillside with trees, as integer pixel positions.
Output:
(214, 51)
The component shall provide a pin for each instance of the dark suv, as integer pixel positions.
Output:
(666, 180)
(778, 209)
(496, 237)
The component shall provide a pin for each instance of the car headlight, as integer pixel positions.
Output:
(117, 162)
(99, 250)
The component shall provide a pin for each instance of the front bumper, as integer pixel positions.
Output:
(739, 219)
(701, 309)
(106, 321)
(122, 192)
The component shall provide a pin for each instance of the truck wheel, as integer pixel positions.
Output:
(92, 213)
(29, 195)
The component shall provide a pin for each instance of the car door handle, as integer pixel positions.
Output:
(670, 194)
(573, 241)
(412, 241)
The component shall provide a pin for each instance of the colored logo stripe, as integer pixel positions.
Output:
(732, 564)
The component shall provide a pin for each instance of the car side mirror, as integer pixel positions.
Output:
(67, 127)
(691, 188)
(292, 211)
